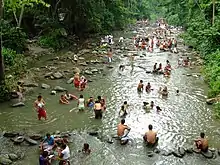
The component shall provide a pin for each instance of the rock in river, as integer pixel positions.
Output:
(48, 74)
(36, 136)
(94, 70)
(30, 141)
(76, 70)
(70, 80)
(211, 101)
(53, 92)
(59, 89)
(88, 72)
(10, 134)
(30, 84)
(18, 140)
(4, 160)
(45, 86)
(20, 104)
(207, 154)
(13, 156)
(57, 75)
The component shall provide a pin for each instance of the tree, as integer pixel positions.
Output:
(2, 75)
(17, 7)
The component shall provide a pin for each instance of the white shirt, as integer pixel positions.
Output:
(81, 102)
(66, 153)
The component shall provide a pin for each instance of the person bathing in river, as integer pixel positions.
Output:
(83, 83)
(177, 92)
(159, 69)
(122, 112)
(39, 105)
(20, 91)
(140, 87)
(76, 80)
(158, 109)
(81, 103)
(69, 96)
(98, 110)
(155, 67)
(102, 101)
(186, 62)
(164, 92)
(152, 105)
(86, 149)
(63, 100)
(122, 135)
(64, 154)
(90, 102)
(148, 88)
(150, 137)
(202, 143)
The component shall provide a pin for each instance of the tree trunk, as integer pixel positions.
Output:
(21, 16)
(2, 73)
(213, 12)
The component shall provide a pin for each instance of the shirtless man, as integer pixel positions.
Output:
(155, 67)
(150, 137)
(202, 143)
(63, 100)
(98, 110)
(121, 132)
(148, 87)
(140, 86)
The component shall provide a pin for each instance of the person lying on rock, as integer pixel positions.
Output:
(150, 137)
(202, 143)
(122, 134)
(69, 96)
(63, 100)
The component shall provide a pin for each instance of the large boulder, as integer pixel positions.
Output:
(88, 72)
(30, 84)
(57, 75)
(208, 154)
(45, 86)
(18, 140)
(13, 157)
(49, 74)
(4, 160)
(10, 134)
(94, 70)
(36, 136)
(70, 80)
(30, 141)
(59, 89)
(20, 104)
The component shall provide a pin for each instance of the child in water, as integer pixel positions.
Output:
(140, 86)
(123, 110)
(86, 149)
(177, 92)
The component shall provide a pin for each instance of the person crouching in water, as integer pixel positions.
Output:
(202, 143)
(39, 106)
(122, 135)
(140, 86)
(63, 100)
(150, 137)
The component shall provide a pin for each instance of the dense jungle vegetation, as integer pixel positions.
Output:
(54, 23)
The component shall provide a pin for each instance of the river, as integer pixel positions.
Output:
(181, 120)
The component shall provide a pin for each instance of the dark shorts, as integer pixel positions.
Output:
(150, 144)
(98, 114)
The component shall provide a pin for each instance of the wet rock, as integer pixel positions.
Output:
(188, 75)
(30, 141)
(181, 151)
(10, 134)
(53, 92)
(156, 150)
(110, 67)
(88, 72)
(36, 136)
(45, 86)
(30, 84)
(20, 104)
(76, 70)
(81, 58)
(211, 101)
(83, 64)
(212, 149)
(59, 89)
(57, 75)
(94, 70)
(18, 140)
(208, 154)
(20, 155)
(47, 75)
(93, 133)
(84, 51)
(150, 154)
(189, 150)
(166, 153)
(13, 157)
(4, 160)
(90, 80)
(219, 152)
(70, 80)
(196, 151)
(94, 52)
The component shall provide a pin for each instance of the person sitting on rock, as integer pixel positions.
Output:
(202, 143)
(86, 149)
(121, 132)
(69, 96)
(43, 159)
(48, 143)
(150, 137)
(140, 86)
(63, 100)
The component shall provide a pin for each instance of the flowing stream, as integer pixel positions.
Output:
(181, 120)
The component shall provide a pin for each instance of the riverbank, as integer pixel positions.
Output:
(174, 130)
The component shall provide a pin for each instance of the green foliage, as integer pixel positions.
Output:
(9, 56)
(54, 39)
(13, 37)
(217, 110)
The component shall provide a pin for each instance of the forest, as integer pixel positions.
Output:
(54, 23)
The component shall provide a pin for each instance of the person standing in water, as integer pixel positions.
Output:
(140, 87)
(76, 80)
(110, 55)
(39, 106)
(81, 103)
(98, 110)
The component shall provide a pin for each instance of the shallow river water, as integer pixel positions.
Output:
(181, 120)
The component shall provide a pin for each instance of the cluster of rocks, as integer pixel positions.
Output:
(213, 100)
(9, 158)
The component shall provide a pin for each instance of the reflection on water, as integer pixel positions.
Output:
(182, 117)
